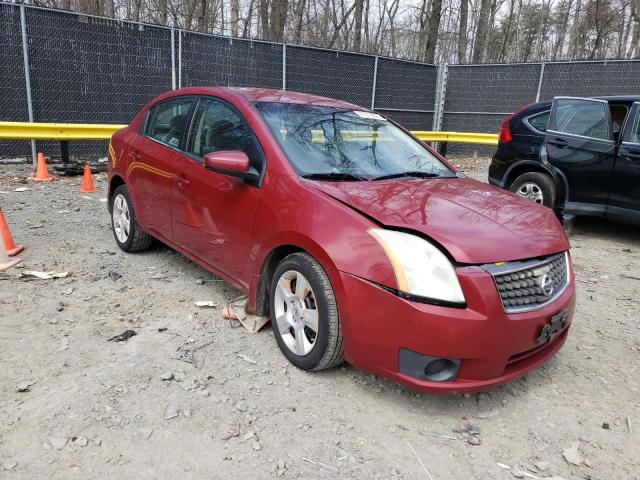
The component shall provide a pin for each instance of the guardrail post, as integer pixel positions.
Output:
(284, 66)
(375, 81)
(27, 75)
(441, 90)
(438, 108)
(540, 82)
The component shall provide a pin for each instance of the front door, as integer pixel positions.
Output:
(213, 213)
(579, 145)
(624, 195)
(151, 157)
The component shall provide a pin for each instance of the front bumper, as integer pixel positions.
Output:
(493, 347)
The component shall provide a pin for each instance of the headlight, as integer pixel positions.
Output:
(421, 269)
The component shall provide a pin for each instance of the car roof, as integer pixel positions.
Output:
(620, 98)
(269, 95)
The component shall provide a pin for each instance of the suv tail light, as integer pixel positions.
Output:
(505, 130)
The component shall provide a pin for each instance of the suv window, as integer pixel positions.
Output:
(167, 122)
(539, 121)
(218, 126)
(582, 117)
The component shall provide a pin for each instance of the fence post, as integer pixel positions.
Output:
(27, 74)
(375, 82)
(179, 58)
(173, 58)
(284, 66)
(540, 82)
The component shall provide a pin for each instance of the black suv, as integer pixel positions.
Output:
(584, 161)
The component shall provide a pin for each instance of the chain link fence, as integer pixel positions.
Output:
(86, 69)
(479, 97)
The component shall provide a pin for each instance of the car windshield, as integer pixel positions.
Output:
(345, 144)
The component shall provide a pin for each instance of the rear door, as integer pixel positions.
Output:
(624, 195)
(152, 154)
(579, 145)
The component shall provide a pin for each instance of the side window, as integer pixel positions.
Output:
(582, 117)
(217, 126)
(633, 135)
(167, 122)
(539, 121)
(618, 114)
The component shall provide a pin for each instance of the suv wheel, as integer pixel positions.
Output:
(304, 314)
(126, 230)
(537, 187)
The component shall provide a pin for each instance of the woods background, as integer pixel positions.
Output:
(434, 31)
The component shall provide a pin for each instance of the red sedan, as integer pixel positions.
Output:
(359, 241)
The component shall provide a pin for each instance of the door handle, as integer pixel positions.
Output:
(182, 182)
(558, 142)
(133, 155)
(631, 156)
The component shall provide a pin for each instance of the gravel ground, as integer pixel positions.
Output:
(99, 409)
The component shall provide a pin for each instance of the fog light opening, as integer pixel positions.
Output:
(440, 370)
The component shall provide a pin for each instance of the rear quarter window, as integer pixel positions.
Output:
(539, 121)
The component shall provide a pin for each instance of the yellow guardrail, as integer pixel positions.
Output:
(56, 131)
(458, 137)
(79, 131)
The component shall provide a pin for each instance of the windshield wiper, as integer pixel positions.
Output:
(416, 174)
(337, 176)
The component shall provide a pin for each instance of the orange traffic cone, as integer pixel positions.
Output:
(5, 261)
(42, 173)
(87, 181)
(9, 245)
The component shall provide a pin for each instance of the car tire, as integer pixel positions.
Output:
(535, 186)
(133, 238)
(295, 312)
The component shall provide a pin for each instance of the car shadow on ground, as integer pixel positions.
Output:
(605, 229)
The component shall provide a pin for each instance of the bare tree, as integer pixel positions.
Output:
(480, 39)
(462, 31)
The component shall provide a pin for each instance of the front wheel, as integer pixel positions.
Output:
(126, 229)
(537, 187)
(304, 314)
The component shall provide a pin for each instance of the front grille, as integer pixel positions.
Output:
(531, 284)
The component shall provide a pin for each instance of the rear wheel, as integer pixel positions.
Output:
(535, 186)
(304, 314)
(126, 230)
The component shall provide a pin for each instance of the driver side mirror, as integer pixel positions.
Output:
(234, 163)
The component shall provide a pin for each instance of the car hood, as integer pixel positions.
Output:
(475, 222)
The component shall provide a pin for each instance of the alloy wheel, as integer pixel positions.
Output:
(121, 218)
(296, 312)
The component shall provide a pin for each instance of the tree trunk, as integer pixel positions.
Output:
(297, 29)
(162, 6)
(278, 19)
(136, 10)
(246, 29)
(462, 31)
(480, 40)
(634, 48)
(357, 34)
(202, 16)
(432, 32)
(264, 18)
(235, 13)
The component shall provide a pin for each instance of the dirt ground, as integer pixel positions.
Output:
(93, 408)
